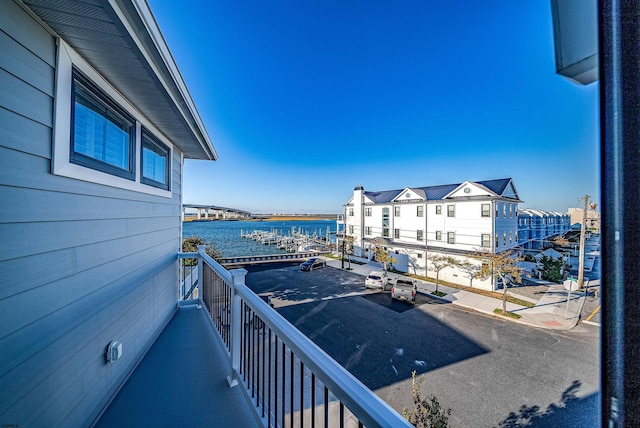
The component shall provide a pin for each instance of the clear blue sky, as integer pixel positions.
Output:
(304, 100)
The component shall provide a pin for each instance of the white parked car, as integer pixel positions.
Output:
(376, 279)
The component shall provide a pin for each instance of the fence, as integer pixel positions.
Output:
(288, 379)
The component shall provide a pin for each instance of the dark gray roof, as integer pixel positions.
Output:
(383, 196)
(434, 193)
(439, 192)
(497, 186)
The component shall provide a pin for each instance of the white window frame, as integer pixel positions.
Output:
(67, 58)
(451, 238)
(451, 211)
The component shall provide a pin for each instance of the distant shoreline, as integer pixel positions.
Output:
(270, 218)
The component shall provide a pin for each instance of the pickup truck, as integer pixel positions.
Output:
(404, 289)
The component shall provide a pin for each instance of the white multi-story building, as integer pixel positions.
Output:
(453, 219)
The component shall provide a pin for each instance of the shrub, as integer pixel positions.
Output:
(427, 412)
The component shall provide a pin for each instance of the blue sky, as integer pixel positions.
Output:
(304, 100)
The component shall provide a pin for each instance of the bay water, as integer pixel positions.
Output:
(226, 235)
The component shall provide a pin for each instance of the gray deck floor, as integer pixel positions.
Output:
(181, 382)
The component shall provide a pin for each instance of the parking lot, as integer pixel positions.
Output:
(481, 367)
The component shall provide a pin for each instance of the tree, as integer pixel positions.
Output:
(559, 241)
(472, 270)
(190, 245)
(347, 249)
(439, 262)
(501, 266)
(427, 411)
(551, 269)
(382, 255)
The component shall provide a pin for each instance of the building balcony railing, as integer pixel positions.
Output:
(287, 380)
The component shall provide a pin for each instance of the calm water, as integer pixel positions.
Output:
(226, 234)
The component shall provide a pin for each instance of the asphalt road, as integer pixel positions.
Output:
(490, 372)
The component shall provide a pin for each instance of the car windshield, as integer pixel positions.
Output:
(374, 277)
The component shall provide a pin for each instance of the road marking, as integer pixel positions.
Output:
(592, 313)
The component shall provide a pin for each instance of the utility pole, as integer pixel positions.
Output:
(582, 238)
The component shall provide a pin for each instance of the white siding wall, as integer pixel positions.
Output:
(82, 264)
(409, 223)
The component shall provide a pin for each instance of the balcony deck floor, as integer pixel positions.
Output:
(181, 381)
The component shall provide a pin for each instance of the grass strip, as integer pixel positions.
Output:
(508, 314)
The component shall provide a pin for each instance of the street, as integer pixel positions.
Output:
(489, 371)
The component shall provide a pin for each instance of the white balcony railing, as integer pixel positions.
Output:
(288, 380)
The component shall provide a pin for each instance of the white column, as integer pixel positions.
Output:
(238, 276)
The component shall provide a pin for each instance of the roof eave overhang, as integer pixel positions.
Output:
(149, 77)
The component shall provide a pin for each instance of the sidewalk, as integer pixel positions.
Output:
(551, 311)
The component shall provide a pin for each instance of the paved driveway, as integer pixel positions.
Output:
(483, 368)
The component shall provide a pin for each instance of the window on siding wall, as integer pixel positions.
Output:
(350, 212)
(154, 162)
(486, 210)
(367, 212)
(485, 240)
(396, 211)
(351, 229)
(419, 235)
(451, 210)
(420, 211)
(102, 134)
(438, 235)
(497, 240)
(396, 233)
(367, 230)
(438, 209)
(451, 237)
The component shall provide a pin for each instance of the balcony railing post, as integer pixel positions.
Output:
(238, 276)
(201, 251)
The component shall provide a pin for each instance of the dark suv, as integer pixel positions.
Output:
(313, 263)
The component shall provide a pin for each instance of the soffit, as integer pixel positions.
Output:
(129, 51)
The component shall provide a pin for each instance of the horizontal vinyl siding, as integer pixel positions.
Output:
(81, 264)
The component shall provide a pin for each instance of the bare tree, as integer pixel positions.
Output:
(347, 248)
(382, 255)
(439, 262)
(427, 411)
(501, 266)
(560, 241)
(472, 270)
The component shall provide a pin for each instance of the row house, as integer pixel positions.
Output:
(453, 219)
(537, 228)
